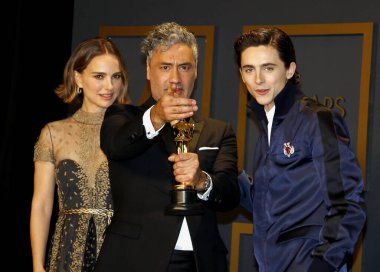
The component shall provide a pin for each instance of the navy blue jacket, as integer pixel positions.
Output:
(306, 196)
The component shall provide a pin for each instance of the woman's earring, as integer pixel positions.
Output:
(80, 90)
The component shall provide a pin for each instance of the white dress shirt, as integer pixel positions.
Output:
(270, 115)
(184, 239)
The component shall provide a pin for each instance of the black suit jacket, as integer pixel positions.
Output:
(142, 236)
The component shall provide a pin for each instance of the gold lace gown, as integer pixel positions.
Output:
(85, 202)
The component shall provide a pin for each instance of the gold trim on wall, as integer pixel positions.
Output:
(198, 31)
(365, 29)
(237, 230)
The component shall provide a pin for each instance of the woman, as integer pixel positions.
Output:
(68, 154)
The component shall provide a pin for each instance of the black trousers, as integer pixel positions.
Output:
(182, 261)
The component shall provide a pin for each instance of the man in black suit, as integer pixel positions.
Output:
(144, 166)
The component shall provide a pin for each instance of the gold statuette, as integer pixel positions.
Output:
(184, 196)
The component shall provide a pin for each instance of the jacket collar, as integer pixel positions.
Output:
(283, 101)
(149, 102)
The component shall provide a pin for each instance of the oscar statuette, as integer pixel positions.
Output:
(183, 196)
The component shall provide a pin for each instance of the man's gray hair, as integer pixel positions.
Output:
(167, 34)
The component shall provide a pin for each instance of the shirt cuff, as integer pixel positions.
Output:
(149, 129)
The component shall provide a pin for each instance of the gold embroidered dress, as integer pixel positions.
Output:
(85, 203)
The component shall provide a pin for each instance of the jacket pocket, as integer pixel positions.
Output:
(308, 231)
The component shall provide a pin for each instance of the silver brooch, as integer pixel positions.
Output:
(288, 149)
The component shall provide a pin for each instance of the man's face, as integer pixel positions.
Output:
(173, 69)
(264, 73)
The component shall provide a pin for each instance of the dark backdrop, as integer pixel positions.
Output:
(38, 38)
(228, 17)
(37, 43)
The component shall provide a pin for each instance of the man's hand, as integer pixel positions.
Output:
(172, 107)
(186, 170)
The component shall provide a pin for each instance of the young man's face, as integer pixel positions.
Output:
(173, 69)
(264, 73)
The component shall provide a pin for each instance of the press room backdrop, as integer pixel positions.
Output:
(337, 54)
(333, 41)
(336, 44)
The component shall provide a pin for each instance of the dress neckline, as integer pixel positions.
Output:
(88, 118)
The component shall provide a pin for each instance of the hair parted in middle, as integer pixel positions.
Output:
(81, 56)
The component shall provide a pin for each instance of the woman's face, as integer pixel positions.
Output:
(101, 82)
